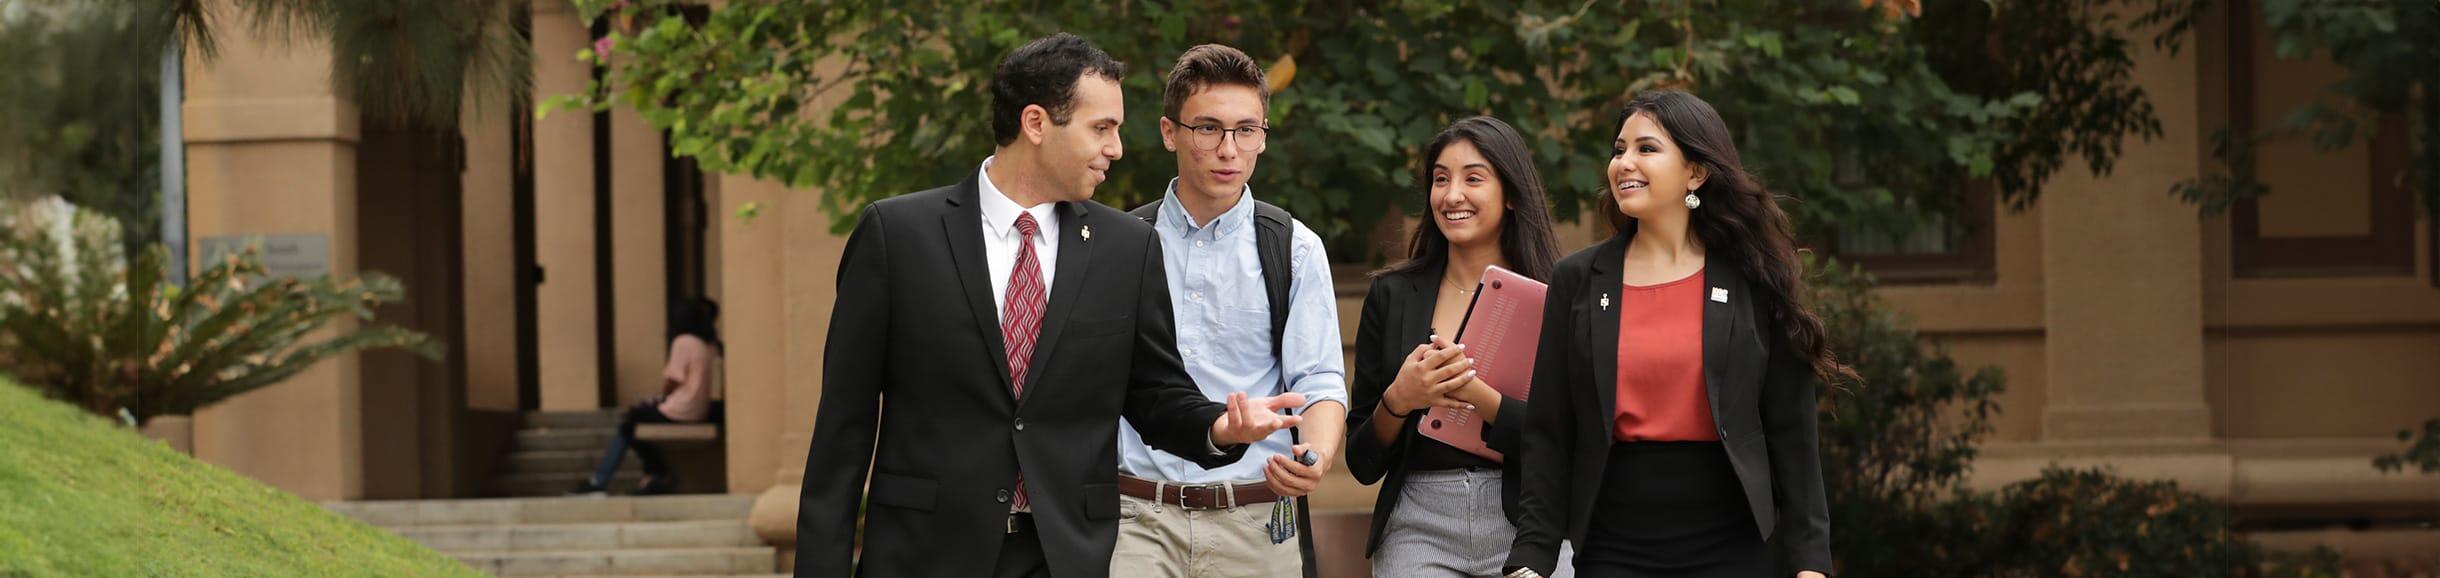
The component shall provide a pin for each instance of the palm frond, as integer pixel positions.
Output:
(297, 360)
(407, 62)
(412, 62)
(106, 333)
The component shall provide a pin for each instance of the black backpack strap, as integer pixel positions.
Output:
(1274, 242)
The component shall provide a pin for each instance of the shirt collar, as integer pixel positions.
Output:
(1174, 217)
(1000, 212)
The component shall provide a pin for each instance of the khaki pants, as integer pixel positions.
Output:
(1166, 541)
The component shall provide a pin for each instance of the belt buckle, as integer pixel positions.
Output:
(1012, 523)
(1221, 490)
(1186, 494)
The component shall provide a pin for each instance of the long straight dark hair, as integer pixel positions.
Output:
(1526, 239)
(1740, 220)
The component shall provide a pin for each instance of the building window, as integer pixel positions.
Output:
(2328, 213)
(1952, 248)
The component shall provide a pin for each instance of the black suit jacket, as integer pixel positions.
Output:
(1762, 398)
(1397, 317)
(915, 382)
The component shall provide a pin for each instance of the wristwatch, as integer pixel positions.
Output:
(1524, 573)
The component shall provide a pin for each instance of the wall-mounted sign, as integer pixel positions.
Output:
(283, 255)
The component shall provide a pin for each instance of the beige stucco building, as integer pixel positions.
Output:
(2263, 356)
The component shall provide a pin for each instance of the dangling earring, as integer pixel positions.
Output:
(1693, 201)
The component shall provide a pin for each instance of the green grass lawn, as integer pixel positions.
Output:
(81, 496)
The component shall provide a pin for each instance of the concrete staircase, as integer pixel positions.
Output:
(555, 450)
(535, 532)
(702, 535)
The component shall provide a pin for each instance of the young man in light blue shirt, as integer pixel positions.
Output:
(1177, 518)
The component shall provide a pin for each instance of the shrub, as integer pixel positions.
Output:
(2090, 523)
(83, 324)
(2422, 451)
(1897, 445)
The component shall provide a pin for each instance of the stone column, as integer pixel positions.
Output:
(2123, 282)
(640, 254)
(271, 150)
(756, 325)
(489, 226)
(563, 217)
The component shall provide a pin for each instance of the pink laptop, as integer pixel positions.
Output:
(1502, 329)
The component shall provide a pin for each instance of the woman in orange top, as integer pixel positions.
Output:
(1672, 431)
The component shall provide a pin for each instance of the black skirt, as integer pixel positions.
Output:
(1671, 509)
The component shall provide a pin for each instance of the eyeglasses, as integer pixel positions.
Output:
(1250, 139)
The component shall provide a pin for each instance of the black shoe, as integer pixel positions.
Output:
(588, 488)
(658, 485)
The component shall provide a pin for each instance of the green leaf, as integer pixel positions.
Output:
(1666, 57)
(1377, 139)
(903, 101)
(1173, 26)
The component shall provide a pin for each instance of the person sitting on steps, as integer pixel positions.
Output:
(686, 397)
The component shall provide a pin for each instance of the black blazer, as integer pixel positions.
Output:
(1397, 317)
(1762, 397)
(914, 357)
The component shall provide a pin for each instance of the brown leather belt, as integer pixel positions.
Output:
(1197, 496)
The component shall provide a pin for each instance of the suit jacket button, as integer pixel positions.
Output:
(1002, 496)
(1020, 424)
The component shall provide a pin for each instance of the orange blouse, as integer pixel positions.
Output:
(1660, 363)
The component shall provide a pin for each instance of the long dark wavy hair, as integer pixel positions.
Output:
(1526, 239)
(1739, 221)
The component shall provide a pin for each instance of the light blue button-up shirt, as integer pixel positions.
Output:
(1224, 330)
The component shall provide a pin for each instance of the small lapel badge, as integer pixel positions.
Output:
(1086, 232)
(1605, 302)
(1720, 295)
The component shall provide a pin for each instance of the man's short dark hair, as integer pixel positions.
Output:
(1209, 65)
(1044, 73)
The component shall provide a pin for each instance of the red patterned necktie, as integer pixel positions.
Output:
(1021, 319)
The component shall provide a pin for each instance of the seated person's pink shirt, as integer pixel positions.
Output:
(690, 367)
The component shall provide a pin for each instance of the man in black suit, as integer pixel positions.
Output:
(986, 339)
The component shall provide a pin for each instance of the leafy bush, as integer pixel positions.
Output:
(2423, 451)
(81, 323)
(863, 99)
(1896, 447)
(2091, 523)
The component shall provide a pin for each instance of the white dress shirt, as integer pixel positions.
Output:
(1000, 238)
